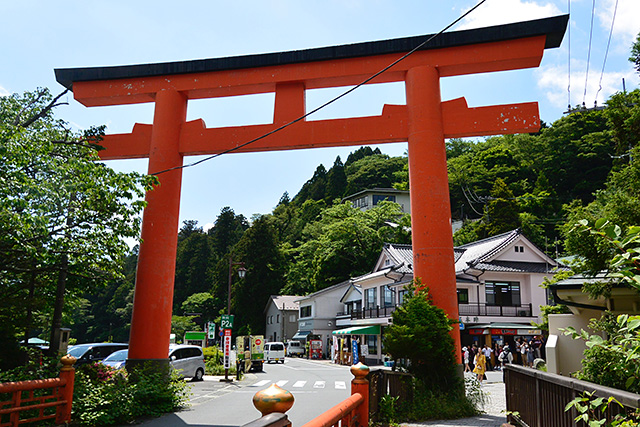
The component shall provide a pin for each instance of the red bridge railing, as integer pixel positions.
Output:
(24, 400)
(351, 412)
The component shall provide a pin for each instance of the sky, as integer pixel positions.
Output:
(37, 36)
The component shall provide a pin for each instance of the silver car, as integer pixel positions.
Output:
(188, 360)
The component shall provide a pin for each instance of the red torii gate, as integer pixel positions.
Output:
(425, 121)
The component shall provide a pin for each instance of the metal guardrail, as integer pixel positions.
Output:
(539, 398)
(21, 406)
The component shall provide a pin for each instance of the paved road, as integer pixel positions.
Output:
(315, 385)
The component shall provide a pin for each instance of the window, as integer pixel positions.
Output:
(463, 296)
(503, 293)
(519, 249)
(372, 343)
(377, 198)
(277, 318)
(360, 203)
(305, 311)
(403, 294)
(386, 296)
(370, 298)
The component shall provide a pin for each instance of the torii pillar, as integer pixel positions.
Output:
(424, 122)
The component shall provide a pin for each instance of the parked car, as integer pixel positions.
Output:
(116, 360)
(274, 352)
(94, 352)
(295, 348)
(188, 360)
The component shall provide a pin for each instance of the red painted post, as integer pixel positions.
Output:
(153, 299)
(360, 385)
(428, 180)
(68, 374)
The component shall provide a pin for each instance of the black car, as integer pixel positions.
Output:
(95, 352)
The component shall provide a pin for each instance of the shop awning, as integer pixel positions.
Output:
(301, 335)
(359, 330)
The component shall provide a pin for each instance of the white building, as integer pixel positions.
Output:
(499, 294)
(281, 317)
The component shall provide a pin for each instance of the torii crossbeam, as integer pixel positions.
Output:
(424, 122)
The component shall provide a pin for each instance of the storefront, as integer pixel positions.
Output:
(357, 344)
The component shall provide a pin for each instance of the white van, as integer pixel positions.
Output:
(188, 360)
(274, 352)
(295, 348)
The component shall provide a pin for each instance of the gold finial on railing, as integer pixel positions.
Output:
(273, 399)
(67, 362)
(359, 371)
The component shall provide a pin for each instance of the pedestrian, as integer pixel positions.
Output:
(537, 346)
(488, 352)
(480, 362)
(465, 358)
(523, 352)
(531, 354)
(517, 352)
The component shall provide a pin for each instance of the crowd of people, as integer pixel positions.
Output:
(521, 352)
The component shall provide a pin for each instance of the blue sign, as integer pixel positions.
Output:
(461, 326)
(354, 354)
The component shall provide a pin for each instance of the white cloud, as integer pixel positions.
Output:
(496, 12)
(627, 24)
(4, 92)
(553, 81)
(207, 227)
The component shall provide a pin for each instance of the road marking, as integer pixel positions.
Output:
(299, 384)
(341, 385)
(319, 384)
(281, 383)
(260, 383)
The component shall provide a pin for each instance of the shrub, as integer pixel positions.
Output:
(105, 396)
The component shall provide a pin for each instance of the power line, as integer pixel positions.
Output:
(331, 101)
(569, 59)
(586, 78)
(615, 9)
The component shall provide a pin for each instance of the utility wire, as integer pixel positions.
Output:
(586, 79)
(615, 9)
(569, 59)
(331, 101)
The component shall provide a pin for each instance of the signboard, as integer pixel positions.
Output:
(354, 354)
(227, 348)
(211, 330)
(504, 331)
(226, 322)
(476, 331)
(529, 331)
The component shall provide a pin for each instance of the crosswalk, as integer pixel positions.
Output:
(338, 385)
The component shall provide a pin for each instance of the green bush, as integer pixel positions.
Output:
(105, 396)
(430, 404)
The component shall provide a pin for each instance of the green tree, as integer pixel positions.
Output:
(192, 264)
(635, 54)
(501, 213)
(203, 303)
(420, 333)
(344, 242)
(182, 324)
(259, 250)
(336, 181)
(375, 171)
(64, 214)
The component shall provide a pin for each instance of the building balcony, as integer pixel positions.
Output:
(373, 313)
(473, 309)
(481, 309)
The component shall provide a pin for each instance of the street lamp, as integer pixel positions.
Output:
(241, 273)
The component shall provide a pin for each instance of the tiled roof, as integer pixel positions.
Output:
(515, 266)
(287, 301)
(402, 256)
(483, 249)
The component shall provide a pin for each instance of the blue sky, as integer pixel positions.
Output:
(38, 36)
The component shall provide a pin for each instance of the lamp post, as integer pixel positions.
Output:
(241, 273)
(227, 336)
